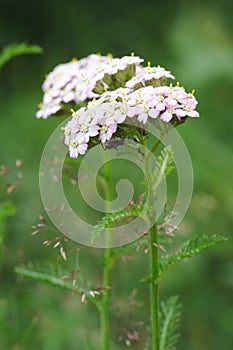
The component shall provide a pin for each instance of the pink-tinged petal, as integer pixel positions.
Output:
(143, 118)
(54, 109)
(111, 130)
(39, 114)
(94, 130)
(73, 152)
(192, 102)
(132, 111)
(153, 113)
(82, 148)
(169, 75)
(166, 116)
(70, 86)
(140, 109)
(103, 137)
(152, 102)
(193, 114)
(160, 106)
(47, 98)
(170, 102)
(180, 113)
(68, 97)
(107, 132)
(82, 138)
(119, 117)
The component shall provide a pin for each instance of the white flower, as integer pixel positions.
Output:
(122, 111)
(187, 110)
(134, 81)
(76, 148)
(167, 115)
(114, 65)
(144, 111)
(106, 111)
(46, 110)
(70, 129)
(132, 59)
(145, 74)
(111, 96)
(156, 73)
(106, 131)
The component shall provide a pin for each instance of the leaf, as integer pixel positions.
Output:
(164, 166)
(189, 249)
(169, 321)
(68, 281)
(6, 209)
(147, 345)
(125, 249)
(17, 49)
(43, 277)
(132, 210)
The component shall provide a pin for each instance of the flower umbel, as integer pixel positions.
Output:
(169, 104)
(114, 91)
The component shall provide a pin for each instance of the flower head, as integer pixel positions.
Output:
(101, 118)
(116, 90)
(79, 80)
(149, 76)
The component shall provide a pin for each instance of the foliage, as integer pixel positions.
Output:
(189, 249)
(170, 320)
(17, 49)
(6, 209)
(71, 281)
(196, 43)
(131, 211)
(163, 167)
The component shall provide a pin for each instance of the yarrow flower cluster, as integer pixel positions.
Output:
(115, 90)
(101, 117)
(75, 81)
(149, 76)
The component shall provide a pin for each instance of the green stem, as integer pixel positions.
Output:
(154, 292)
(155, 146)
(154, 257)
(107, 270)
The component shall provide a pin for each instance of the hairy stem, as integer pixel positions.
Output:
(154, 258)
(107, 270)
(154, 297)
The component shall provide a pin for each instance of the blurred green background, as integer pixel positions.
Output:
(194, 41)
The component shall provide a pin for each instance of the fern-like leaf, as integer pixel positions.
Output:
(133, 210)
(69, 282)
(17, 49)
(43, 277)
(189, 249)
(6, 209)
(169, 321)
(164, 166)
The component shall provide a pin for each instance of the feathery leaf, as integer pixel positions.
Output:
(17, 49)
(69, 281)
(189, 249)
(169, 320)
(132, 210)
(164, 165)
(6, 209)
